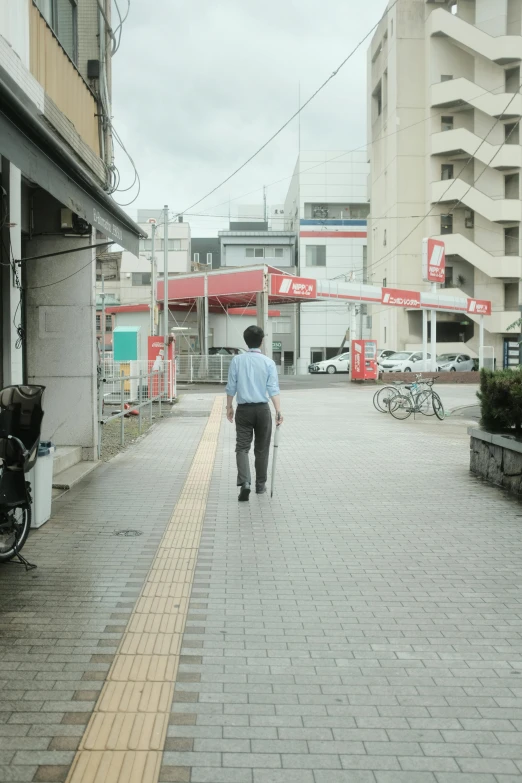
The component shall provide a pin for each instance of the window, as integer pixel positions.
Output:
(511, 133)
(108, 323)
(446, 224)
(469, 218)
(209, 259)
(513, 79)
(511, 241)
(446, 123)
(446, 171)
(98, 323)
(511, 296)
(446, 77)
(259, 252)
(196, 258)
(249, 252)
(141, 278)
(60, 15)
(512, 186)
(174, 244)
(316, 255)
(281, 325)
(377, 101)
(279, 252)
(448, 277)
(336, 211)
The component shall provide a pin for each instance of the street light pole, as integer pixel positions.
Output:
(166, 279)
(153, 281)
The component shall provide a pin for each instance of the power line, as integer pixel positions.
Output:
(295, 114)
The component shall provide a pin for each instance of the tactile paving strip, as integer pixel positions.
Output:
(125, 737)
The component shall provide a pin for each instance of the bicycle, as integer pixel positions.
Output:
(426, 402)
(382, 398)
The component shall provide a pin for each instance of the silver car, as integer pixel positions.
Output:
(455, 362)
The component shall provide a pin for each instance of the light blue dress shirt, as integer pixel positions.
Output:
(253, 377)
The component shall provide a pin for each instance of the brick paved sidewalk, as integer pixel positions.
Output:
(365, 625)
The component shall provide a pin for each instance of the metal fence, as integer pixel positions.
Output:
(193, 368)
(112, 374)
(151, 387)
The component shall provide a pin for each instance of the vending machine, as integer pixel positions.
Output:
(363, 362)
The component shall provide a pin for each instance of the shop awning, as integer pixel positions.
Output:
(41, 157)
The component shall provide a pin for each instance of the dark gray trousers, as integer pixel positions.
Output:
(253, 420)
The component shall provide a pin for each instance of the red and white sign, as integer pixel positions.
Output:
(479, 306)
(293, 287)
(433, 260)
(399, 298)
(156, 354)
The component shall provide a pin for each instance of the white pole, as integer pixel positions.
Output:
(166, 281)
(153, 283)
(433, 333)
(425, 338)
(103, 324)
(481, 342)
(205, 318)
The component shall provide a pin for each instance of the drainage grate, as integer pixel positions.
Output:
(128, 533)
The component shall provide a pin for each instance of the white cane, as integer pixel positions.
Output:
(274, 457)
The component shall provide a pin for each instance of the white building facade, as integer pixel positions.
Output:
(444, 105)
(327, 204)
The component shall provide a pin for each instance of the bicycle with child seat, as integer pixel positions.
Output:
(383, 397)
(424, 401)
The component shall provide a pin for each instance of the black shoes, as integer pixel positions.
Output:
(244, 493)
(261, 488)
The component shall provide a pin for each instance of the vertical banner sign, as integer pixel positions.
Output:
(433, 260)
(156, 355)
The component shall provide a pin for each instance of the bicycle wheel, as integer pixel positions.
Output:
(401, 407)
(423, 403)
(437, 406)
(383, 397)
(14, 529)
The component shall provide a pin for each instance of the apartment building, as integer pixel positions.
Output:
(56, 176)
(444, 108)
(327, 205)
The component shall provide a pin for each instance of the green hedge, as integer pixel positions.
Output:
(500, 398)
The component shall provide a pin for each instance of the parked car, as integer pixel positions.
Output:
(383, 354)
(218, 350)
(451, 362)
(339, 363)
(406, 361)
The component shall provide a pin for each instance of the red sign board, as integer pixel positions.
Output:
(399, 298)
(433, 260)
(293, 287)
(156, 354)
(479, 306)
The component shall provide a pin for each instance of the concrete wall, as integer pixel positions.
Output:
(61, 332)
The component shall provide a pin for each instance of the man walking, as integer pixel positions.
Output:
(253, 377)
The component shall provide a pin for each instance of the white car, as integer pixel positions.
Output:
(451, 362)
(383, 354)
(406, 361)
(339, 363)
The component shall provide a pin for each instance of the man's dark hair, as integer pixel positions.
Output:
(253, 336)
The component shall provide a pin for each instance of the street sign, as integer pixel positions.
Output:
(277, 345)
(397, 297)
(433, 260)
(479, 306)
(298, 287)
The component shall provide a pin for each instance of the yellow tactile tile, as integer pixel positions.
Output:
(126, 731)
(124, 739)
(135, 697)
(115, 767)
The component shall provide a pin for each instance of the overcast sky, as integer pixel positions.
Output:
(199, 85)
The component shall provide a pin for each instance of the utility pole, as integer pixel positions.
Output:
(103, 322)
(433, 363)
(153, 281)
(166, 280)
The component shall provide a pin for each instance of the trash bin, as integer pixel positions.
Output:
(41, 478)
